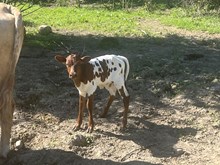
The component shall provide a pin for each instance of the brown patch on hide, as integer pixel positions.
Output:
(84, 70)
(84, 73)
(105, 71)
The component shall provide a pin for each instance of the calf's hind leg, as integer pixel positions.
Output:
(112, 91)
(126, 98)
(110, 100)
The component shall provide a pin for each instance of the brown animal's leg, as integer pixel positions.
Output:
(82, 101)
(110, 100)
(125, 96)
(90, 109)
(6, 124)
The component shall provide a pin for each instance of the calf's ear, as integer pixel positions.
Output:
(86, 59)
(60, 59)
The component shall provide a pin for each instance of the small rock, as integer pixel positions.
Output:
(19, 144)
(173, 86)
(215, 80)
(179, 151)
(45, 29)
(78, 140)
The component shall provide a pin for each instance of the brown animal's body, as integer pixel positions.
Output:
(11, 39)
(108, 71)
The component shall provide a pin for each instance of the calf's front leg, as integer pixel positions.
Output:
(90, 109)
(82, 101)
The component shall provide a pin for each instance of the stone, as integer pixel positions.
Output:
(45, 29)
(78, 140)
(19, 144)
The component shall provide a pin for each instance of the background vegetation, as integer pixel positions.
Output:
(120, 18)
(126, 4)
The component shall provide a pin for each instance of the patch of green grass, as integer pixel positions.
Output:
(117, 23)
(190, 20)
(101, 21)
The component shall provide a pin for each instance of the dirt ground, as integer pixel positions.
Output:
(174, 117)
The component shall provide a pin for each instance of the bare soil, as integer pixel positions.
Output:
(174, 110)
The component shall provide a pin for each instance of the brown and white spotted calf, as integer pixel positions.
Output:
(108, 71)
(11, 39)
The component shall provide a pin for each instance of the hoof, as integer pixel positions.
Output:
(76, 127)
(89, 130)
(123, 129)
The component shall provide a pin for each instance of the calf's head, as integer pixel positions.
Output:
(73, 63)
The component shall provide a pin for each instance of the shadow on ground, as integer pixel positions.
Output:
(159, 139)
(59, 157)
